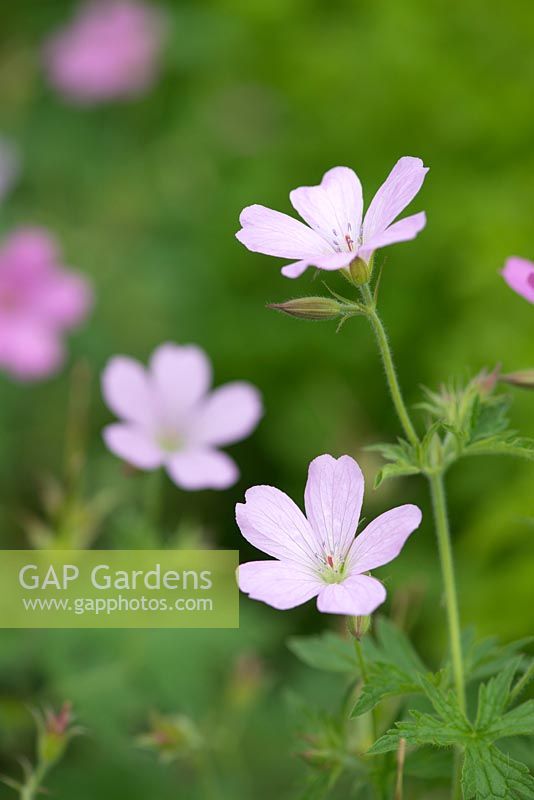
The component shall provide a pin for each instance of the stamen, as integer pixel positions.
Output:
(330, 562)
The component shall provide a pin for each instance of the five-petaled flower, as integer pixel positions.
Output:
(170, 419)
(317, 554)
(519, 275)
(334, 211)
(39, 301)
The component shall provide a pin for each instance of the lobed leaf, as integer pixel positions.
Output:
(490, 774)
(326, 651)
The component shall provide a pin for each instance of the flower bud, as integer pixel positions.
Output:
(54, 734)
(360, 271)
(358, 626)
(317, 308)
(523, 378)
(172, 737)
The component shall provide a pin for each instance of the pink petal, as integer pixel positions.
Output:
(333, 499)
(181, 376)
(334, 208)
(277, 584)
(133, 444)
(358, 595)
(398, 190)
(64, 300)
(127, 391)
(331, 261)
(275, 234)
(271, 521)
(519, 275)
(29, 351)
(402, 231)
(202, 469)
(383, 539)
(227, 415)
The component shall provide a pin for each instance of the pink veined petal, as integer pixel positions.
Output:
(519, 275)
(202, 469)
(401, 231)
(295, 269)
(398, 190)
(383, 539)
(279, 585)
(276, 234)
(334, 208)
(127, 390)
(358, 595)
(272, 522)
(133, 444)
(333, 500)
(331, 261)
(180, 376)
(228, 414)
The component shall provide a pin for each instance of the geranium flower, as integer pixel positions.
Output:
(170, 419)
(110, 50)
(317, 554)
(334, 211)
(519, 275)
(39, 301)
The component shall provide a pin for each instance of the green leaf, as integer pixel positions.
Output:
(490, 774)
(484, 658)
(327, 651)
(502, 445)
(393, 667)
(493, 696)
(398, 470)
(518, 722)
(489, 416)
(420, 729)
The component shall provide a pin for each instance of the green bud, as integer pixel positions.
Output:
(317, 308)
(360, 271)
(358, 626)
(523, 378)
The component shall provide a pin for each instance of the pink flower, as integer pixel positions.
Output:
(334, 210)
(170, 419)
(110, 50)
(519, 275)
(317, 555)
(39, 301)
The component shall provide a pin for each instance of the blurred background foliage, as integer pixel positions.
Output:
(257, 97)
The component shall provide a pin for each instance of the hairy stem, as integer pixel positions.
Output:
(364, 674)
(439, 504)
(389, 366)
(31, 788)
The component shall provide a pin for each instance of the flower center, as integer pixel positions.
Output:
(170, 441)
(334, 571)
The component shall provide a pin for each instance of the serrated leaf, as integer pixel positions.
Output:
(384, 680)
(398, 470)
(484, 658)
(502, 445)
(419, 730)
(490, 774)
(445, 703)
(327, 651)
(517, 722)
(493, 696)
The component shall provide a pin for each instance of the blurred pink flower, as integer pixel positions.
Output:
(318, 555)
(110, 50)
(519, 275)
(170, 419)
(39, 301)
(334, 212)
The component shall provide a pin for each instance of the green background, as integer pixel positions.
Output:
(257, 97)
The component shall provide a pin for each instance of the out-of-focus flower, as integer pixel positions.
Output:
(170, 419)
(334, 212)
(519, 275)
(55, 730)
(9, 166)
(317, 554)
(110, 50)
(173, 737)
(39, 301)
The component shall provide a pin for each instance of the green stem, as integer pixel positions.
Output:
(439, 505)
(31, 787)
(364, 674)
(389, 366)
